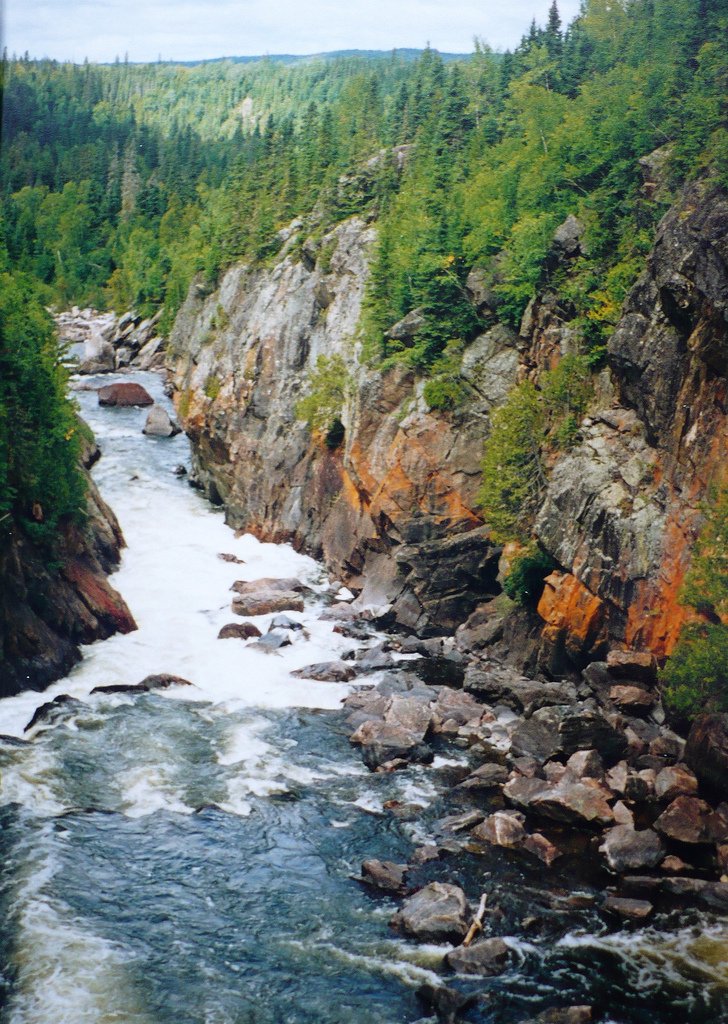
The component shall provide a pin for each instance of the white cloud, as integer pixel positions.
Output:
(195, 29)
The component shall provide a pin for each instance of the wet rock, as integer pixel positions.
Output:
(55, 710)
(676, 780)
(273, 640)
(504, 828)
(706, 751)
(447, 1003)
(239, 630)
(162, 680)
(373, 659)
(631, 910)
(541, 847)
(159, 423)
(628, 850)
(437, 913)
(563, 1015)
(268, 585)
(124, 394)
(224, 556)
(632, 698)
(400, 734)
(698, 891)
(267, 601)
(384, 875)
(327, 672)
(460, 822)
(487, 958)
(181, 470)
(637, 665)
(121, 688)
(487, 777)
(688, 820)
(284, 622)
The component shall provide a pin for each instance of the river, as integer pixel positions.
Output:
(187, 856)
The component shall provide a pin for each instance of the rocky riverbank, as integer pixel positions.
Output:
(49, 605)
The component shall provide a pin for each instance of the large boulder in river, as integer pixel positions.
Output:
(124, 393)
(437, 913)
(707, 751)
(159, 423)
(266, 601)
(486, 958)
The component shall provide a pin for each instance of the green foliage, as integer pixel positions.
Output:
(695, 677)
(40, 480)
(513, 474)
(696, 674)
(212, 386)
(524, 582)
(328, 386)
(445, 389)
(566, 391)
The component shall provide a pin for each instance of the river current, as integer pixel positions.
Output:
(187, 857)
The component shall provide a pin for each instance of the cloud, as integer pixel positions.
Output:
(195, 29)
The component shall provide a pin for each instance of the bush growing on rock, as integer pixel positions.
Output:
(328, 386)
(696, 675)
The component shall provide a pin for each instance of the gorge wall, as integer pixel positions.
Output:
(50, 606)
(393, 508)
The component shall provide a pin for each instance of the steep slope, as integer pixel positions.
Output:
(394, 506)
(48, 609)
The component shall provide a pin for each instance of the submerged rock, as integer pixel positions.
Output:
(384, 875)
(487, 958)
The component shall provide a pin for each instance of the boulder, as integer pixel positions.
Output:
(408, 326)
(487, 958)
(632, 910)
(536, 738)
(488, 776)
(239, 630)
(632, 698)
(268, 584)
(574, 803)
(266, 601)
(707, 751)
(586, 764)
(585, 728)
(675, 780)
(126, 393)
(273, 640)
(399, 734)
(162, 680)
(437, 913)
(504, 828)
(688, 820)
(159, 423)
(284, 622)
(541, 847)
(326, 672)
(626, 849)
(633, 665)
(384, 874)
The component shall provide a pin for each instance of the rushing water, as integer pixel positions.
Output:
(187, 857)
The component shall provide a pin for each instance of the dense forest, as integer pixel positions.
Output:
(120, 183)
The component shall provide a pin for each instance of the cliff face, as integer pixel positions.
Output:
(46, 612)
(621, 512)
(394, 508)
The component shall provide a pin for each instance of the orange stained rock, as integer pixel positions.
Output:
(566, 604)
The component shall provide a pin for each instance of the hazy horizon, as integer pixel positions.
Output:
(192, 30)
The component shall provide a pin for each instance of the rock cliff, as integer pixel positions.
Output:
(47, 610)
(392, 505)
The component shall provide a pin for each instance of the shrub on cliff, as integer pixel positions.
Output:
(696, 675)
(40, 479)
(328, 386)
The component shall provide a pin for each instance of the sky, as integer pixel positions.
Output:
(196, 29)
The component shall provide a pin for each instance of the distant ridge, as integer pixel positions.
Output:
(404, 53)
